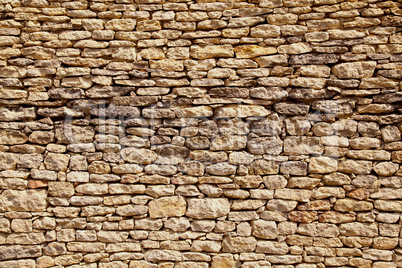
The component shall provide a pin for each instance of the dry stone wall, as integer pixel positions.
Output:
(196, 134)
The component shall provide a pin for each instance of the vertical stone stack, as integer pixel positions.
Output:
(152, 133)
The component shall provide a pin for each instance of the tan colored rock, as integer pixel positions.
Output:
(167, 207)
(199, 111)
(364, 143)
(148, 25)
(369, 154)
(11, 137)
(131, 210)
(275, 182)
(322, 165)
(239, 244)
(60, 189)
(282, 19)
(303, 216)
(387, 205)
(138, 156)
(359, 229)
(355, 166)
(99, 167)
(120, 24)
(30, 200)
(230, 111)
(346, 205)
(264, 167)
(17, 251)
(385, 168)
(219, 51)
(163, 255)
(208, 208)
(302, 145)
(355, 69)
(336, 179)
(240, 158)
(265, 31)
(264, 229)
(228, 142)
(252, 51)
(303, 182)
(281, 205)
(268, 145)
(295, 48)
(274, 81)
(68, 133)
(206, 246)
(315, 70)
(293, 194)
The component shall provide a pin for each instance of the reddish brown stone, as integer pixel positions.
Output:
(336, 217)
(359, 194)
(303, 216)
(32, 184)
(129, 178)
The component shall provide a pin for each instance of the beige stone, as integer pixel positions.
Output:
(138, 156)
(264, 229)
(322, 165)
(230, 111)
(239, 244)
(252, 51)
(219, 51)
(355, 69)
(60, 189)
(30, 200)
(167, 207)
(208, 208)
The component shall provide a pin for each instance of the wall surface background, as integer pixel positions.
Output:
(195, 134)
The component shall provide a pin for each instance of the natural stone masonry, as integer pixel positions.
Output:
(195, 134)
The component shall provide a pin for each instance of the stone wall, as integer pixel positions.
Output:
(196, 134)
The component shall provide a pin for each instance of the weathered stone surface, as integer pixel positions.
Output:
(171, 154)
(239, 244)
(359, 229)
(11, 137)
(17, 114)
(19, 252)
(208, 208)
(268, 145)
(323, 165)
(167, 207)
(163, 255)
(252, 51)
(264, 229)
(291, 108)
(138, 156)
(231, 111)
(154, 133)
(264, 167)
(302, 145)
(221, 51)
(228, 142)
(355, 166)
(314, 59)
(354, 70)
(30, 200)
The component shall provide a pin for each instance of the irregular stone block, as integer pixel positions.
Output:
(30, 200)
(208, 208)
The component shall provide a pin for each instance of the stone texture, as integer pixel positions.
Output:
(157, 133)
(207, 208)
(167, 207)
(354, 70)
(30, 200)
